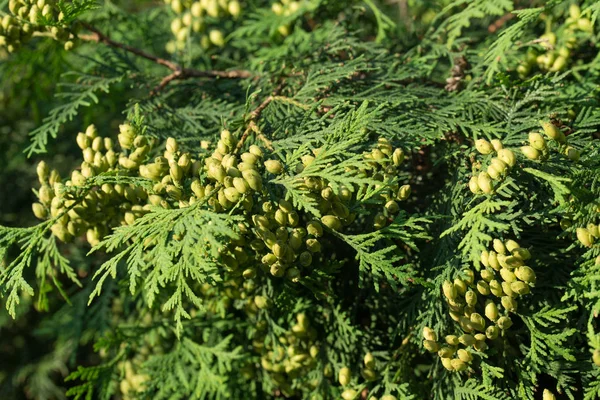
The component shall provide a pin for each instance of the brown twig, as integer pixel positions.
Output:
(178, 72)
(254, 116)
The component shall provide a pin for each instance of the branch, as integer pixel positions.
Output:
(254, 116)
(178, 72)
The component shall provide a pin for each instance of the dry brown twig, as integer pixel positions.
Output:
(178, 73)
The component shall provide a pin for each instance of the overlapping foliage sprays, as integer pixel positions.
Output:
(306, 200)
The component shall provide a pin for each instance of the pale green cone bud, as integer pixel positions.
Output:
(521, 288)
(314, 228)
(464, 355)
(228, 138)
(525, 274)
(485, 182)
(473, 185)
(585, 237)
(305, 259)
(499, 165)
(458, 365)
(431, 346)
(344, 376)
(175, 171)
(313, 245)
(548, 395)
(452, 340)
(572, 153)
(461, 286)
(216, 37)
(499, 246)
(404, 192)
(507, 290)
(537, 141)
(232, 194)
(429, 334)
(531, 153)
(91, 131)
(553, 132)
(504, 323)
(483, 288)
(39, 211)
(379, 221)
(507, 275)
(128, 163)
(509, 303)
(253, 179)
(487, 275)
(369, 361)
(496, 144)
(349, 394)
(332, 222)
(126, 136)
(483, 146)
(511, 245)
(172, 145)
(449, 290)
(466, 339)
(585, 25)
(593, 230)
(492, 332)
(596, 357)
(446, 352)
(477, 322)
(491, 310)
(83, 141)
(471, 298)
(261, 302)
(398, 157)
(507, 156)
(274, 166)
(447, 363)
(495, 173)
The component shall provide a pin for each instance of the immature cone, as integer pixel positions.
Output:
(485, 182)
(537, 141)
(507, 156)
(553, 132)
(483, 146)
(596, 357)
(274, 166)
(531, 152)
(344, 376)
(585, 237)
(548, 395)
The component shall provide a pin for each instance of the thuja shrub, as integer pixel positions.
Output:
(304, 199)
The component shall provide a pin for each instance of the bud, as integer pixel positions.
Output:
(261, 302)
(313, 245)
(483, 288)
(253, 179)
(485, 182)
(525, 274)
(572, 153)
(305, 259)
(473, 185)
(228, 138)
(39, 211)
(449, 290)
(175, 171)
(477, 322)
(537, 141)
(398, 157)
(504, 323)
(232, 194)
(511, 245)
(491, 310)
(344, 376)
(429, 334)
(497, 144)
(509, 303)
(521, 288)
(91, 131)
(349, 394)
(553, 132)
(593, 230)
(126, 136)
(404, 192)
(596, 357)
(464, 355)
(471, 298)
(531, 153)
(332, 222)
(216, 38)
(492, 332)
(585, 237)
(447, 363)
(314, 228)
(274, 166)
(487, 275)
(369, 361)
(499, 246)
(431, 346)
(507, 156)
(483, 146)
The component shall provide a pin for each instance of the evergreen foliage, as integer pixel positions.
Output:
(306, 199)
